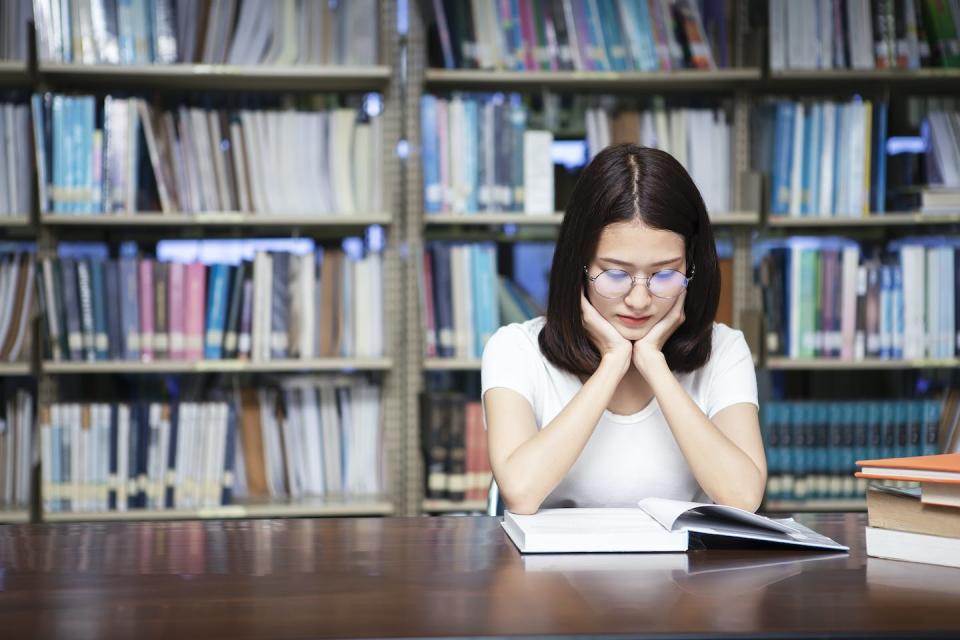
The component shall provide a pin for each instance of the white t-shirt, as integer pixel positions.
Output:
(627, 458)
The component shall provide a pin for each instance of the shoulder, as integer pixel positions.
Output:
(516, 337)
(725, 339)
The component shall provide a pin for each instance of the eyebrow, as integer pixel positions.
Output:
(624, 263)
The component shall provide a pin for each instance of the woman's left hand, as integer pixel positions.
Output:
(649, 349)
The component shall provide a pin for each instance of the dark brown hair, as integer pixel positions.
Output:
(622, 183)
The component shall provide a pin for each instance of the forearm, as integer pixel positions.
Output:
(537, 466)
(724, 471)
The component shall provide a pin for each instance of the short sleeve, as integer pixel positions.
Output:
(733, 378)
(510, 360)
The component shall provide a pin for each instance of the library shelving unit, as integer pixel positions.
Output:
(383, 78)
(891, 85)
(732, 84)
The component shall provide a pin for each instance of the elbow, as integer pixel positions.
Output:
(748, 496)
(519, 500)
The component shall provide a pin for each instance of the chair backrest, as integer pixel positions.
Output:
(494, 503)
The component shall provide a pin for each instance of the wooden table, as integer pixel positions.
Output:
(442, 577)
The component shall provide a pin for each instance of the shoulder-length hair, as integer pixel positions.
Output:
(622, 183)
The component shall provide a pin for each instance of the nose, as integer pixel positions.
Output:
(639, 296)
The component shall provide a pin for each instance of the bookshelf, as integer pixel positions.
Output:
(874, 220)
(215, 77)
(175, 79)
(733, 85)
(8, 369)
(610, 81)
(876, 364)
(232, 219)
(19, 516)
(404, 79)
(311, 508)
(216, 366)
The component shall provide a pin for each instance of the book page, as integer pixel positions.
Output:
(667, 512)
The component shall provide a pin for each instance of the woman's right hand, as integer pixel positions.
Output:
(605, 336)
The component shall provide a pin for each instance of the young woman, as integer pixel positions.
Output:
(627, 388)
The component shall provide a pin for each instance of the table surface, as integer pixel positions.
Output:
(453, 576)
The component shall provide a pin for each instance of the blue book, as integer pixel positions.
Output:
(889, 428)
(932, 410)
(821, 448)
(782, 157)
(808, 170)
(516, 36)
(612, 35)
(115, 350)
(886, 312)
(59, 139)
(217, 311)
(432, 190)
(598, 46)
(910, 412)
(443, 299)
(770, 417)
(846, 458)
(85, 123)
(878, 189)
(129, 307)
(101, 334)
(641, 35)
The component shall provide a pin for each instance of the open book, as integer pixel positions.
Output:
(657, 525)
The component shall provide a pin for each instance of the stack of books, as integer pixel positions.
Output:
(916, 524)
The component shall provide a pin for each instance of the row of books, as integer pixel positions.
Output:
(454, 443)
(16, 448)
(827, 159)
(315, 436)
(14, 18)
(698, 138)
(91, 152)
(17, 306)
(580, 35)
(207, 31)
(478, 155)
(917, 523)
(464, 299)
(277, 305)
(16, 192)
(811, 446)
(821, 299)
(864, 34)
(150, 455)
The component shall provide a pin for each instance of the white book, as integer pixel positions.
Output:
(537, 172)
(330, 423)
(219, 167)
(932, 286)
(313, 445)
(123, 454)
(656, 525)
(913, 547)
(948, 282)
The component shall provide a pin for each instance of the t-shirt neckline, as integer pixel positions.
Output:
(643, 414)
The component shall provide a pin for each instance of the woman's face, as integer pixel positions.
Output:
(640, 251)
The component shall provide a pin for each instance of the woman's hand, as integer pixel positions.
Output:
(648, 350)
(604, 335)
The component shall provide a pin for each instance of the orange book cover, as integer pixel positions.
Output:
(942, 468)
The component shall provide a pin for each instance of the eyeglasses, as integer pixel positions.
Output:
(616, 283)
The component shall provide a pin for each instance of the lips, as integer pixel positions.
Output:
(633, 321)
